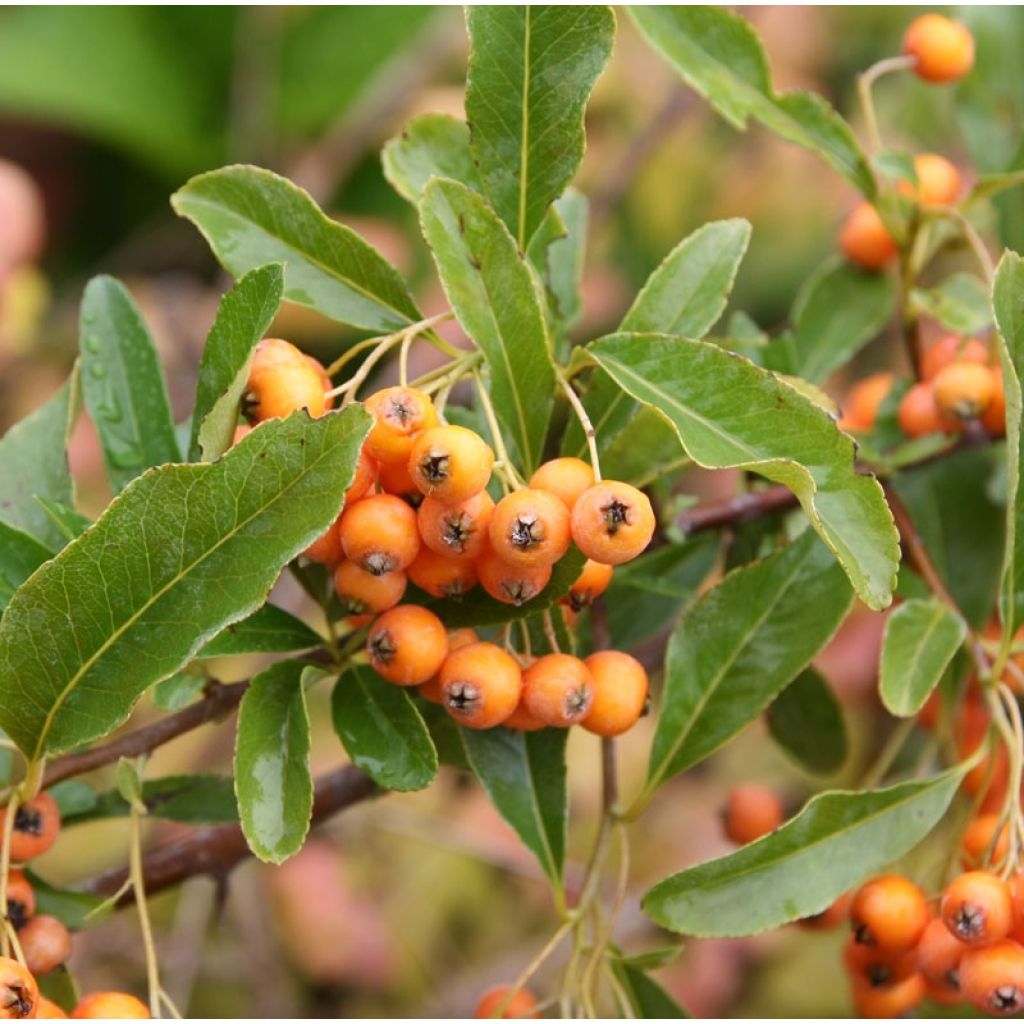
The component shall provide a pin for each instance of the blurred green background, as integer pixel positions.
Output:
(412, 905)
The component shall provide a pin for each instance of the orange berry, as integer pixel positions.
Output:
(861, 406)
(19, 993)
(362, 479)
(519, 1005)
(993, 419)
(456, 531)
(963, 390)
(440, 576)
(450, 463)
(619, 684)
(566, 478)
(379, 533)
(938, 180)
(522, 721)
(612, 522)
(363, 591)
(36, 825)
(400, 414)
(21, 899)
(978, 839)
(952, 349)
(111, 1006)
(49, 1010)
(865, 240)
(529, 527)
(944, 49)
(830, 917)
(919, 413)
(407, 645)
(752, 811)
(938, 956)
(992, 978)
(326, 549)
(1016, 884)
(46, 944)
(394, 478)
(281, 380)
(869, 966)
(558, 689)
(241, 431)
(481, 685)
(895, 1000)
(890, 913)
(977, 908)
(592, 582)
(457, 639)
(511, 584)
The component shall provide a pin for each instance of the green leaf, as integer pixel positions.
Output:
(493, 293)
(738, 645)
(920, 640)
(34, 464)
(430, 146)
(730, 413)
(68, 905)
(557, 251)
(524, 775)
(128, 781)
(269, 630)
(20, 556)
(123, 385)
(720, 56)
(189, 799)
(243, 317)
(530, 73)
(383, 731)
(647, 999)
(835, 842)
(74, 798)
(252, 217)
(183, 552)
(69, 521)
(960, 303)
(273, 782)
(896, 164)
(806, 720)
(178, 691)
(990, 185)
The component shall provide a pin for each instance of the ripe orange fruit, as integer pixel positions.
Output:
(919, 414)
(529, 527)
(977, 908)
(326, 549)
(407, 645)
(895, 1000)
(400, 414)
(46, 944)
(938, 180)
(441, 576)
(19, 993)
(993, 419)
(963, 390)
(944, 49)
(281, 380)
(457, 639)
(558, 690)
(939, 954)
(619, 684)
(21, 899)
(511, 584)
(593, 580)
(952, 348)
(363, 592)
(395, 478)
(992, 978)
(522, 721)
(830, 917)
(379, 534)
(566, 478)
(861, 406)
(752, 811)
(978, 838)
(49, 1010)
(456, 531)
(865, 240)
(450, 463)
(519, 1005)
(869, 966)
(111, 1006)
(612, 522)
(481, 685)
(890, 913)
(36, 826)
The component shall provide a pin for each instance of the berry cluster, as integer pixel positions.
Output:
(42, 943)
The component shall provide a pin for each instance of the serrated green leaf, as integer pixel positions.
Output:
(432, 145)
(383, 731)
(269, 630)
(919, 641)
(647, 999)
(273, 783)
(178, 691)
(180, 554)
(806, 720)
(34, 464)
(20, 556)
(243, 317)
(738, 645)
(123, 385)
(835, 842)
(730, 413)
(960, 303)
(493, 293)
(252, 217)
(189, 799)
(524, 775)
(530, 73)
(720, 56)
(69, 521)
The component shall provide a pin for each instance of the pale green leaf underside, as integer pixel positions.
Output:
(430, 146)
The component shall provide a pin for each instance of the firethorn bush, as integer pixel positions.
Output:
(501, 564)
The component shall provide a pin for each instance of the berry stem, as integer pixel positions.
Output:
(533, 966)
(865, 83)
(588, 427)
(139, 888)
(424, 327)
(496, 436)
(5, 867)
(971, 236)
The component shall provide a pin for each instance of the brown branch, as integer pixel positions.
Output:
(715, 515)
(216, 849)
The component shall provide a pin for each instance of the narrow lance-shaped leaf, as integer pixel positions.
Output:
(530, 73)
(739, 644)
(242, 319)
(183, 552)
(647, 999)
(835, 842)
(252, 217)
(430, 146)
(273, 782)
(524, 775)
(729, 413)
(720, 56)
(34, 464)
(382, 731)
(920, 639)
(496, 299)
(806, 720)
(123, 385)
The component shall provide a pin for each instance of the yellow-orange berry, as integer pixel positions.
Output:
(511, 584)
(558, 690)
(919, 414)
(952, 348)
(896, 1000)
(939, 954)
(751, 811)
(21, 899)
(830, 917)
(400, 414)
(450, 463)
(459, 530)
(519, 1005)
(407, 645)
(522, 721)
(980, 840)
(36, 825)
(363, 591)
(861, 406)
(963, 390)
(869, 966)
(612, 522)
(394, 478)
(379, 533)
(619, 686)
(45, 943)
(441, 576)
(592, 582)
(890, 913)
(457, 639)
(992, 978)
(993, 419)
(944, 48)
(362, 478)
(49, 1010)
(865, 240)
(977, 908)
(566, 478)
(938, 180)
(529, 527)
(480, 685)
(111, 1006)
(281, 380)
(19, 993)
(326, 549)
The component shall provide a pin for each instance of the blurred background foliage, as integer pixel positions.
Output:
(412, 905)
